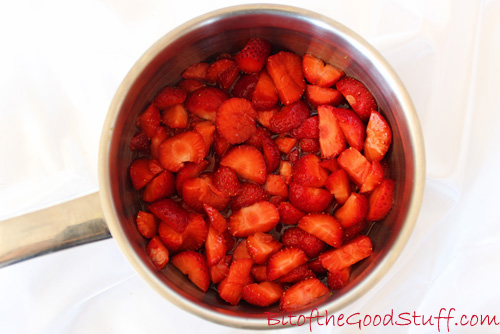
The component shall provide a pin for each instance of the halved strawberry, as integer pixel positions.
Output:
(285, 144)
(319, 73)
(285, 68)
(250, 194)
(337, 279)
(289, 117)
(221, 145)
(183, 147)
(196, 71)
(297, 237)
(298, 274)
(355, 164)
(169, 96)
(275, 185)
(309, 145)
(226, 180)
(309, 199)
(149, 120)
(284, 261)
(238, 276)
(353, 211)
(317, 95)
(216, 219)
(324, 227)
(241, 251)
(219, 271)
(193, 265)
(302, 294)
(201, 190)
(352, 127)
(309, 129)
(259, 272)
(265, 95)
(162, 185)
(247, 162)
(205, 102)
(358, 96)
(378, 137)
(289, 215)
(139, 142)
(331, 137)
(189, 171)
(171, 213)
(339, 186)
(253, 56)
(140, 174)
(381, 200)
(215, 246)
(245, 86)
(195, 234)
(286, 171)
(261, 246)
(347, 255)
(157, 252)
(146, 224)
(206, 129)
(262, 294)
(308, 172)
(190, 85)
(259, 217)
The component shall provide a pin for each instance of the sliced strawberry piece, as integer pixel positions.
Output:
(339, 186)
(308, 172)
(146, 224)
(170, 238)
(195, 234)
(162, 185)
(261, 246)
(316, 266)
(302, 294)
(140, 174)
(219, 271)
(265, 95)
(226, 180)
(293, 156)
(373, 178)
(298, 274)
(206, 130)
(259, 272)
(262, 294)
(190, 85)
(155, 166)
(378, 137)
(358, 96)
(215, 246)
(352, 127)
(285, 68)
(253, 56)
(347, 255)
(264, 116)
(193, 265)
(353, 231)
(196, 71)
(222, 72)
(297, 237)
(319, 73)
(235, 120)
(205, 102)
(258, 138)
(183, 147)
(201, 190)
(231, 287)
(381, 200)
(247, 162)
(289, 215)
(241, 251)
(286, 171)
(353, 211)
(139, 142)
(189, 171)
(275, 185)
(338, 279)
(149, 120)
(284, 261)
(259, 217)
(331, 137)
(169, 96)
(221, 145)
(157, 252)
(285, 144)
(216, 219)
(309, 146)
(272, 155)
(289, 117)
(330, 164)
(317, 95)
(309, 129)
(245, 86)
(171, 213)
(355, 164)
(309, 199)
(250, 194)
(160, 136)
(324, 227)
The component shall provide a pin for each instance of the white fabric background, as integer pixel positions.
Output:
(60, 65)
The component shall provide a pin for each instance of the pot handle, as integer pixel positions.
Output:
(65, 225)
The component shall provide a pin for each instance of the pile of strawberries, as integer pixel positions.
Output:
(259, 174)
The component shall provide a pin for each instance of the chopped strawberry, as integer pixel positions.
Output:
(353, 231)
(265, 95)
(358, 96)
(221, 145)
(285, 144)
(330, 164)
(231, 287)
(264, 116)
(293, 156)
(331, 137)
(316, 266)
(190, 85)
(201, 190)
(319, 73)
(353, 211)
(317, 95)
(309, 199)
(324, 227)
(241, 251)
(339, 186)
(297, 237)
(289, 215)
(219, 271)
(259, 217)
(337, 279)
(139, 142)
(149, 120)
(289, 117)
(272, 155)
(309, 129)
(189, 171)
(216, 219)
(308, 172)
(309, 145)
(355, 164)
(352, 127)
(302, 294)
(259, 272)
(253, 56)
(261, 246)
(262, 294)
(157, 252)
(222, 72)
(160, 136)
(193, 265)
(284, 261)
(162, 185)
(258, 137)
(140, 174)
(298, 274)
(378, 137)
(196, 71)
(146, 224)
(374, 177)
(205, 102)
(155, 166)
(347, 255)
(247, 162)
(250, 194)
(245, 86)
(285, 68)
(170, 238)
(276, 200)
(275, 185)
(206, 129)
(195, 234)
(226, 180)
(169, 96)
(215, 246)
(181, 148)
(171, 213)
(381, 200)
